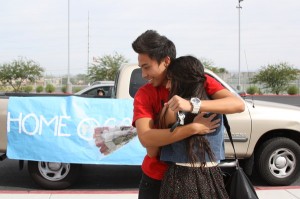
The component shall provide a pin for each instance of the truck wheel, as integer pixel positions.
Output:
(53, 175)
(278, 161)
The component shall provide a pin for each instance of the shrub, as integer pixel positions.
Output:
(27, 89)
(39, 89)
(50, 88)
(293, 90)
(64, 89)
(76, 89)
(252, 90)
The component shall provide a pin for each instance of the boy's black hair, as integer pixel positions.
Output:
(156, 46)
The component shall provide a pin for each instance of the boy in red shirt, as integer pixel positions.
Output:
(155, 52)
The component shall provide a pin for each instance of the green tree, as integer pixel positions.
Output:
(210, 65)
(106, 67)
(19, 72)
(276, 77)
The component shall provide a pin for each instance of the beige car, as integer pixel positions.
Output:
(266, 137)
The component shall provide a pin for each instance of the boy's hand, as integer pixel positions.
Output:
(177, 103)
(206, 124)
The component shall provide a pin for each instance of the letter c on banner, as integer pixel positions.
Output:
(85, 128)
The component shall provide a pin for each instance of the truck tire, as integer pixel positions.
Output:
(53, 175)
(278, 161)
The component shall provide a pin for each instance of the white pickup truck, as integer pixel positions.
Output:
(266, 137)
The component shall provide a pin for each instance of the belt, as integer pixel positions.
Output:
(197, 164)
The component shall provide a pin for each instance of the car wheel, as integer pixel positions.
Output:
(278, 161)
(53, 175)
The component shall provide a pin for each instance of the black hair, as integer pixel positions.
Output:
(100, 90)
(156, 46)
(187, 78)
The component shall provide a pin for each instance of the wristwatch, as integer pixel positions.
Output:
(196, 103)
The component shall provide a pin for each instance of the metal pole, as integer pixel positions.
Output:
(88, 55)
(69, 85)
(299, 85)
(239, 71)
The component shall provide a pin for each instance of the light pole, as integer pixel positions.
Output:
(239, 72)
(88, 49)
(69, 85)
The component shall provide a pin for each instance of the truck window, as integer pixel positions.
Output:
(93, 92)
(136, 81)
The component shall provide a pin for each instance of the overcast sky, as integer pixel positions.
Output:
(38, 30)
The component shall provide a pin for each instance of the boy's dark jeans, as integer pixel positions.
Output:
(149, 188)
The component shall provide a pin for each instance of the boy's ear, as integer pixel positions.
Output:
(167, 61)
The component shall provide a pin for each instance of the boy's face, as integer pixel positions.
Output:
(152, 71)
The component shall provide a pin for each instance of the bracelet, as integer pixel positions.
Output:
(179, 122)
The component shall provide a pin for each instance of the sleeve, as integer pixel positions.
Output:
(142, 107)
(212, 85)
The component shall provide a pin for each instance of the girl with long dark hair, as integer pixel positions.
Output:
(193, 171)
